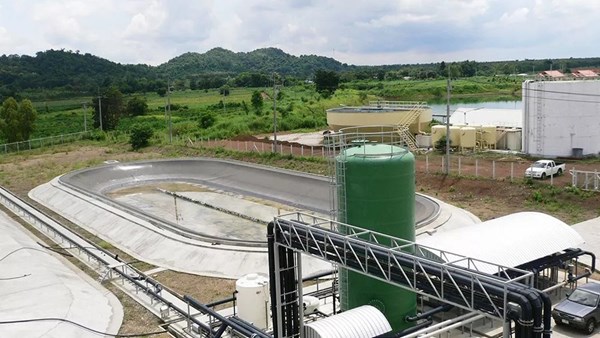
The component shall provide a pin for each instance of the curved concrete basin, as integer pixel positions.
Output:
(299, 190)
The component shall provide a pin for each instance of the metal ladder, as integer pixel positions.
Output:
(539, 119)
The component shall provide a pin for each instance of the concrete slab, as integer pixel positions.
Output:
(35, 283)
(590, 231)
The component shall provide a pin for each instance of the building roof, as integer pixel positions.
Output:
(487, 117)
(584, 73)
(552, 73)
(508, 241)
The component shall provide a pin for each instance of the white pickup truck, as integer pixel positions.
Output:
(545, 168)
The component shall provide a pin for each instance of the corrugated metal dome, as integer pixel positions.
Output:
(509, 241)
(361, 322)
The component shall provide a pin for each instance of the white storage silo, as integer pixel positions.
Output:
(253, 299)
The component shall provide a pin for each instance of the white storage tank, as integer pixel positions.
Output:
(513, 139)
(424, 141)
(437, 132)
(454, 136)
(253, 299)
(468, 137)
(361, 322)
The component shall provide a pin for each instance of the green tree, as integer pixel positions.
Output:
(140, 136)
(137, 106)
(257, 101)
(17, 120)
(224, 90)
(326, 82)
(112, 109)
(207, 120)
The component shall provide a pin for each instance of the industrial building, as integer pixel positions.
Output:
(561, 118)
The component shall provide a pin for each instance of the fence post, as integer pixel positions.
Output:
(512, 170)
(574, 177)
(551, 179)
(476, 167)
(312, 151)
(302, 150)
(427, 164)
(246, 145)
(291, 149)
(444, 169)
(29, 141)
(459, 165)
(494, 169)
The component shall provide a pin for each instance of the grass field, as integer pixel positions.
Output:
(299, 107)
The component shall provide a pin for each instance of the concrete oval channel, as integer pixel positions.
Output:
(295, 189)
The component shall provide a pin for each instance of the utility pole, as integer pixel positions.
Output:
(169, 110)
(274, 115)
(100, 109)
(447, 159)
(85, 117)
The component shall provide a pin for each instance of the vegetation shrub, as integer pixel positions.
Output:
(140, 136)
(207, 120)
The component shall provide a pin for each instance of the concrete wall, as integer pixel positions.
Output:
(559, 116)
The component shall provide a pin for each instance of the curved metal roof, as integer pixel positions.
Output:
(361, 322)
(509, 241)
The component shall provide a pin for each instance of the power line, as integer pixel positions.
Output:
(50, 319)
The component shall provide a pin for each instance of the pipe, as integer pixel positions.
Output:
(442, 308)
(272, 269)
(443, 324)
(257, 331)
(445, 329)
(199, 306)
(407, 331)
(221, 301)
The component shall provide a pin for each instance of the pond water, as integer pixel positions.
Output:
(440, 108)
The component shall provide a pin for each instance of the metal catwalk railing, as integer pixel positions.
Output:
(448, 277)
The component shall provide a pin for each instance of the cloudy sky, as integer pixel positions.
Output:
(360, 32)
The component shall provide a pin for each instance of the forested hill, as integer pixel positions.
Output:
(65, 69)
(75, 72)
(266, 60)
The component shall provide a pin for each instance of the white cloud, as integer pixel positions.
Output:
(374, 32)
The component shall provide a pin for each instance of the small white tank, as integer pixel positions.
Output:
(468, 137)
(253, 299)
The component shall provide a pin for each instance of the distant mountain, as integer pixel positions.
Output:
(265, 60)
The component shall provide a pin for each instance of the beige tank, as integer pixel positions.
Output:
(488, 136)
(437, 132)
(454, 136)
(468, 137)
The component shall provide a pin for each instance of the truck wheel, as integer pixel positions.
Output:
(559, 172)
(590, 326)
(543, 176)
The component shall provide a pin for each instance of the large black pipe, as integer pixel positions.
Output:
(257, 331)
(224, 321)
(272, 269)
(531, 305)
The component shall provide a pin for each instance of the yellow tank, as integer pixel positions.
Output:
(437, 132)
(488, 136)
(468, 137)
(454, 136)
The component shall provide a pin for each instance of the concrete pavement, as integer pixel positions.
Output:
(36, 283)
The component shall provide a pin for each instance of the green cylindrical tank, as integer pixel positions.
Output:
(379, 192)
